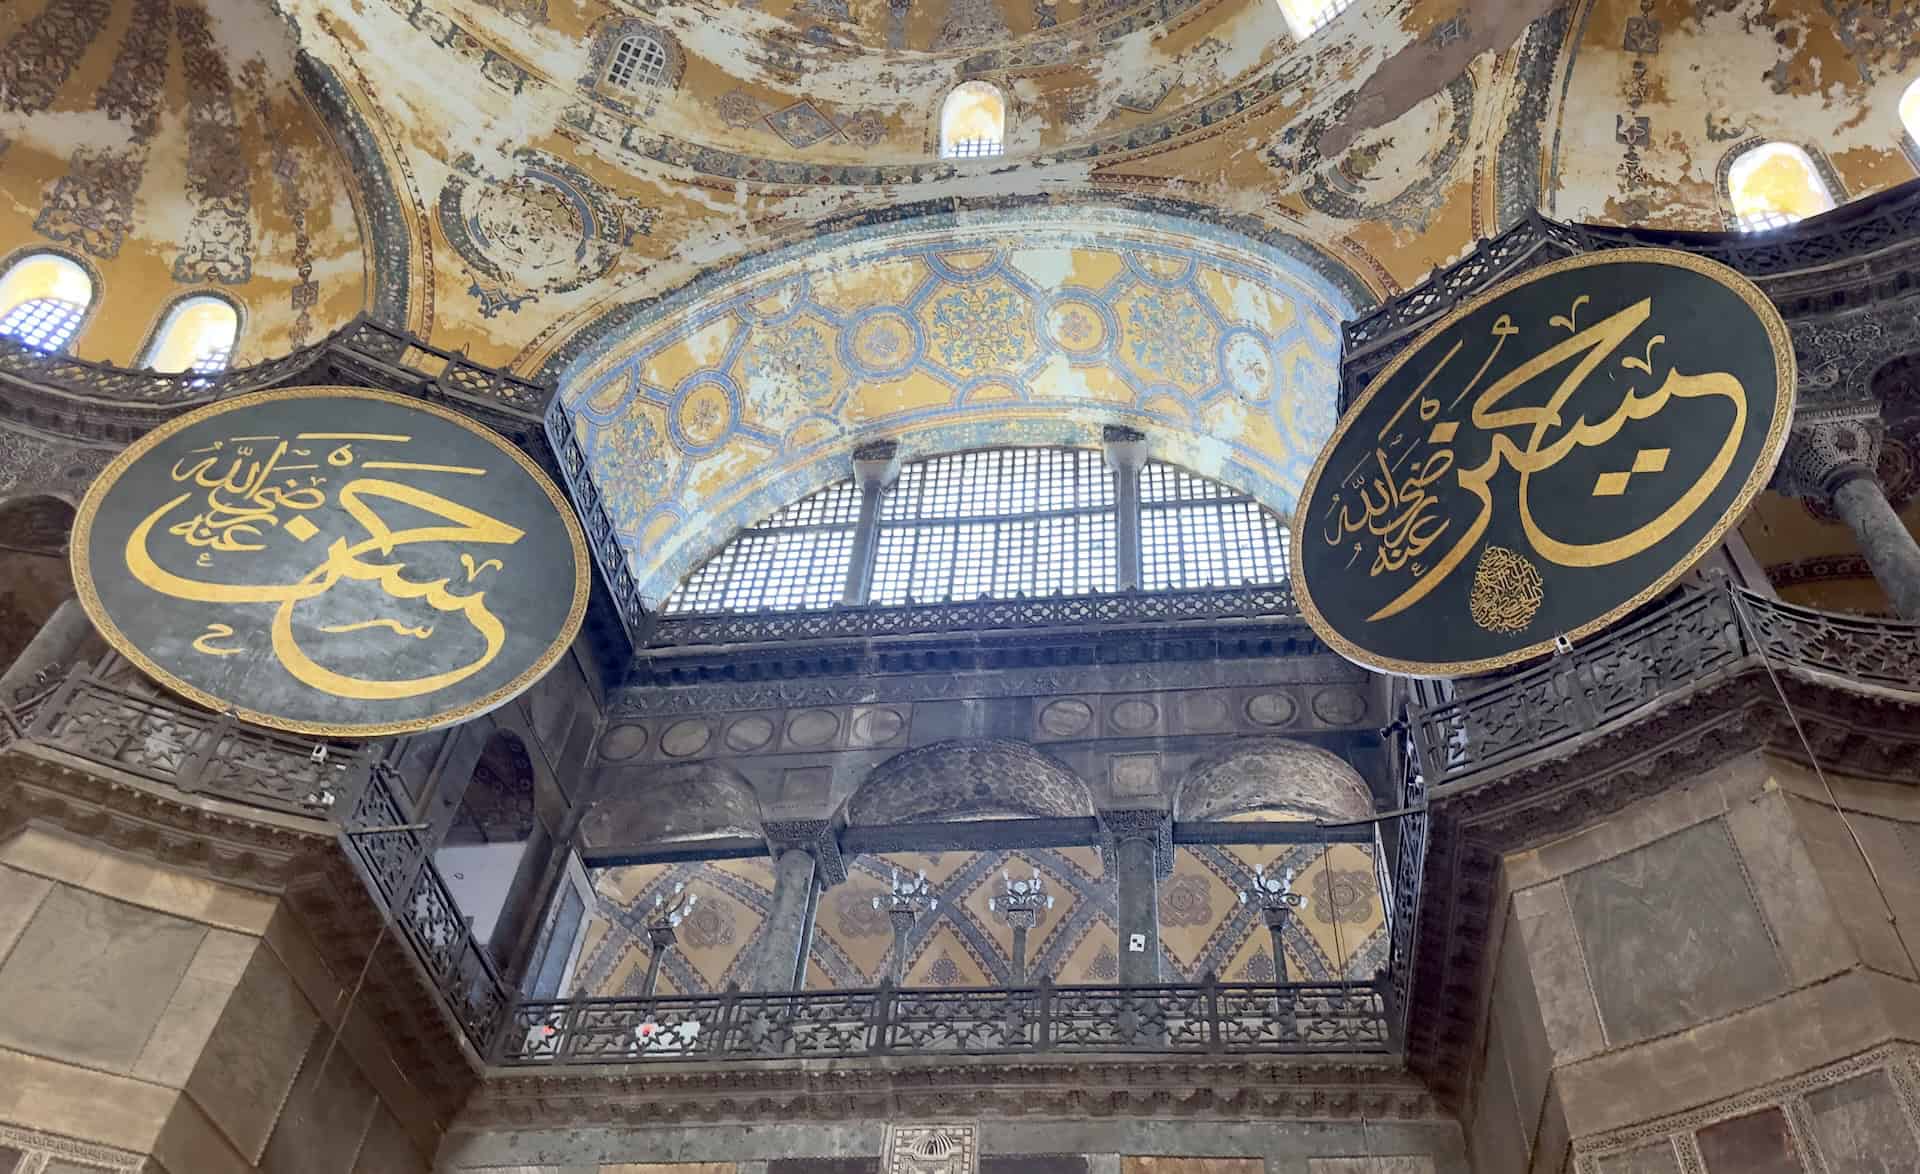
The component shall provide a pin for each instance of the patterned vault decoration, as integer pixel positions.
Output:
(711, 409)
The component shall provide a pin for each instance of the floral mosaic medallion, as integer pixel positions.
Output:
(884, 343)
(702, 416)
(1343, 896)
(1077, 327)
(981, 328)
(1169, 335)
(653, 467)
(788, 371)
(1248, 367)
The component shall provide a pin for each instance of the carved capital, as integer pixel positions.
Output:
(1125, 447)
(1828, 449)
(876, 463)
(1152, 825)
(816, 838)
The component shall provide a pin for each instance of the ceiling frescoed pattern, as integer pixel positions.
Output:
(1203, 926)
(710, 412)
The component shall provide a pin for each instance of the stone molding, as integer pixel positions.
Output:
(923, 1088)
(816, 838)
(1151, 825)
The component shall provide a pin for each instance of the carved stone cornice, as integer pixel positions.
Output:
(240, 846)
(920, 1087)
(1829, 447)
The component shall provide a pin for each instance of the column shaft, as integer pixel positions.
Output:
(1139, 910)
(783, 949)
(1884, 540)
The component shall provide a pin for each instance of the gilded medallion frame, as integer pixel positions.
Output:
(1768, 458)
(80, 563)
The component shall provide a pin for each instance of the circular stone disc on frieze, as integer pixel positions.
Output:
(332, 561)
(1543, 460)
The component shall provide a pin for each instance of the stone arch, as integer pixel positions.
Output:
(653, 805)
(1278, 775)
(968, 779)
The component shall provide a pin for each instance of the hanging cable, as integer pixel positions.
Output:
(1751, 631)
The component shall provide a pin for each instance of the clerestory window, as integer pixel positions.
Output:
(43, 300)
(973, 122)
(197, 335)
(1307, 17)
(993, 524)
(638, 60)
(1773, 185)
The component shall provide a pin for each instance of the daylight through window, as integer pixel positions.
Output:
(1307, 17)
(43, 299)
(197, 335)
(1773, 185)
(973, 122)
(638, 60)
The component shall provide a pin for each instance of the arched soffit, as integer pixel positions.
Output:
(1273, 775)
(173, 149)
(498, 805)
(966, 779)
(713, 409)
(1653, 101)
(654, 805)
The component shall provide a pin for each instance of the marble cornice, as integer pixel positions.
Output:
(923, 1086)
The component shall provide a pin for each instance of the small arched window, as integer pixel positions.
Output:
(1307, 17)
(197, 335)
(1773, 185)
(1910, 118)
(43, 300)
(973, 122)
(638, 60)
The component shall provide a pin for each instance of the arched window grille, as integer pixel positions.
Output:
(1200, 533)
(1307, 17)
(994, 524)
(43, 300)
(973, 122)
(1773, 185)
(638, 60)
(197, 335)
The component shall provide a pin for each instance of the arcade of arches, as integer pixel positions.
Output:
(945, 780)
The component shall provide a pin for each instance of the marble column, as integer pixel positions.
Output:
(1140, 853)
(782, 961)
(1835, 459)
(874, 468)
(50, 654)
(1126, 453)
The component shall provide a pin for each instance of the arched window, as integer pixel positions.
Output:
(1910, 118)
(973, 122)
(638, 60)
(992, 524)
(1307, 17)
(197, 335)
(1775, 184)
(43, 299)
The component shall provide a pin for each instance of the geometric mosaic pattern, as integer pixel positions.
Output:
(1202, 925)
(718, 406)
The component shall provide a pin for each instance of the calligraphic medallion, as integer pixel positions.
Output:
(1545, 459)
(332, 561)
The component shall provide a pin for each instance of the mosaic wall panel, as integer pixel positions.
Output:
(1339, 931)
(716, 407)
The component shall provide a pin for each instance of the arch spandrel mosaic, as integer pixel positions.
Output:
(713, 411)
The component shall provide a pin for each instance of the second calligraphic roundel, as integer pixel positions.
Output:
(332, 561)
(1545, 459)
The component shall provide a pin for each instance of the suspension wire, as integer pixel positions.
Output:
(1751, 631)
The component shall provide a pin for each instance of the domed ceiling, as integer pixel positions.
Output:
(168, 148)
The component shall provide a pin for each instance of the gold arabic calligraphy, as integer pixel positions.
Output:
(1404, 513)
(247, 486)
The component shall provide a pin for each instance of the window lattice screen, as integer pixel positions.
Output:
(46, 323)
(998, 523)
(1199, 533)
(795, 560)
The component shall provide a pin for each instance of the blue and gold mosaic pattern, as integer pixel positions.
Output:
(713, 410)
